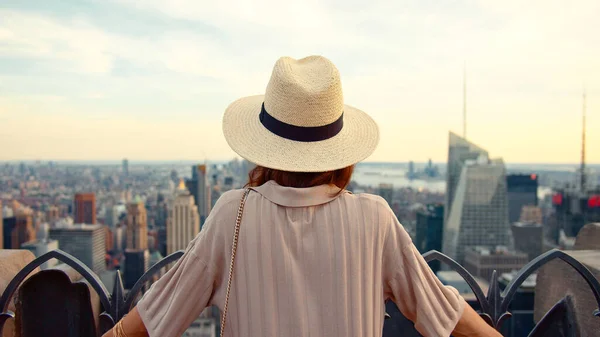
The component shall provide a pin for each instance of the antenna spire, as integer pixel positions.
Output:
(465, 100)
(582, 182)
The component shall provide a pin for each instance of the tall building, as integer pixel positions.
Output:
(430, 230)
(411, 170)
(227, 183)
(386, 191)
(460, 150)
(200, 190)
(152, 240)
(577, 206)
(111, 216)
(162, 213)
(85, 242)
(52, 215)
(125, 167)
(521, 190)
(18, 229)
(528, 238)
(174, 176)
(136, 254)
(85, 208)
(41, 247)
(42, 232)
(521, 306)
(215, 194)
(137, 226)
(531, 214)
(136, 263)
(109, 239)
(1, 226)
(162, 241)
(481, 261)
(479, 211)
(119, 239)
(573, 209)
(183, 223)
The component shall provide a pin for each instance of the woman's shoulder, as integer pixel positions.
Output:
(370, 200)
(224, 210)
(229, 198)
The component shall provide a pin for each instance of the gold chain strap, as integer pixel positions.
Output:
(236, 234)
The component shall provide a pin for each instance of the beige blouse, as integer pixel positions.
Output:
(309, 263)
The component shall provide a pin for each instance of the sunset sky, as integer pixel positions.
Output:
(149, 80)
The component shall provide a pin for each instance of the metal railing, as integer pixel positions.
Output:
(494, 305)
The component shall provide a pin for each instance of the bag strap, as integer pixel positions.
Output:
(236, 234)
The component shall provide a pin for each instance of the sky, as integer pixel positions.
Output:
(150, 80)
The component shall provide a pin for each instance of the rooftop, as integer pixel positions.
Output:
(529, 283)
(489, 251)
(80, 227)
(527, 224)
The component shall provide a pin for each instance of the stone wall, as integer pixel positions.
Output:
(588, 238)
(557, 279)
(11, 262)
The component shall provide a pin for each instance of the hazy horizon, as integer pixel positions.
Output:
(94, 79)
(133, 162)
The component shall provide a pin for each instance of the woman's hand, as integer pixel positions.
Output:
(472, 325)
(132, 326)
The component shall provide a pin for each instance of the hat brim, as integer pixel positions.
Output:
(246, 135)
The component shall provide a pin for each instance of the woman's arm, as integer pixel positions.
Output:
(132, 326)
(472, 325)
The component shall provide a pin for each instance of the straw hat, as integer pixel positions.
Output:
(301, 123)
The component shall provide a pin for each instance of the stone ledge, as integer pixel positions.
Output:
(74, 276)
(11, 262)
(557, 279)
(588, 237)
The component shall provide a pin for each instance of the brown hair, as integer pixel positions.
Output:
(260, 175)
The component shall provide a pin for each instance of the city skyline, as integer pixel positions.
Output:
(125, 79)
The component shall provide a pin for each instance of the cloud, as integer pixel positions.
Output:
(95, 95)
(80, 47)
(400, 61)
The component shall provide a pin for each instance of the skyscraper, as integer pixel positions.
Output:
(430, 230)
(183, 223)
(522, 191)
(111, 216)
(459, 151)
(481, 261)
(136, 263)
(85, 242)
(119, 240)
(136, 253)
(52, 215)
(85, 208)
(200, 190)
(137, 227)
(479, 211)
(386, 191)
(109, 239)
(528, 238)
(125, 167)
(18, 229)
(411, 170)
(531, 214)
(1, 226)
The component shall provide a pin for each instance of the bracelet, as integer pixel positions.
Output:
(118, 330)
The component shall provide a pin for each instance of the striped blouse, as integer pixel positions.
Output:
(311, 262)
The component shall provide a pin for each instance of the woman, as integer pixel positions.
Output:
(312, 259)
